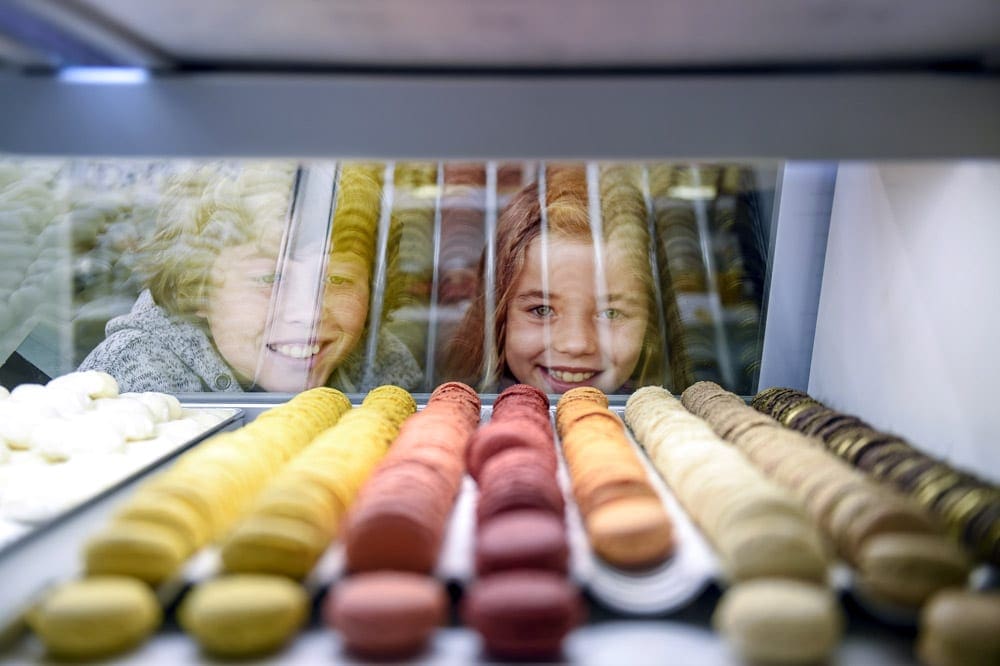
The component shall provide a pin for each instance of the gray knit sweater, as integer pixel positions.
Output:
(149, 350)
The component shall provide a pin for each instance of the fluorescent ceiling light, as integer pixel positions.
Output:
(109, 75)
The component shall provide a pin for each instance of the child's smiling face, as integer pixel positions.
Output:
(568, 327)
(306, 340)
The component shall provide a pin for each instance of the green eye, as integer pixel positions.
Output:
(267, 279)
(338, 280)
(611, 313)
(541, 310)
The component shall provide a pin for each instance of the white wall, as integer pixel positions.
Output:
(797, 253)
(909, 315)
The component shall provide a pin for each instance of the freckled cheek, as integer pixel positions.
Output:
(524, 341)
(236, 317)
(626, 346)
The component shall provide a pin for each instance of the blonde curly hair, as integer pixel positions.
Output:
(204, 210)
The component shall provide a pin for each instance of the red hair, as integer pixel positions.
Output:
(519, 224)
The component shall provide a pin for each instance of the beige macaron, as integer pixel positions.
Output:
(960, 628)
(907, 568)
(779, 620)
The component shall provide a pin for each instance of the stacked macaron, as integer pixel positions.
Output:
(413, 211)
(257, 609)
(900, 554)
(780, 608)
(758, 529)
(463, 201)
(390, 604)
(411, 268)
(510, 180)
(201, 497)
(356, 213)
(968, 505)
(780, 621)
(680, 269)
(300, 511)
(625, 520)
(244, 615)
(399, 519)
(95, 617)
(522, 603)
(960, 628)
(168, 519)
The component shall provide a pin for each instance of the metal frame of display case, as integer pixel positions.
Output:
(777, 116)
(893, 115)
(812, 116)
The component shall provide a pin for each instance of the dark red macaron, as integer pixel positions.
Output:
(525, 539)
(522, 394)
(523, 613)
(529, 488)
(522, 413)
(494, 437)
(508, 461)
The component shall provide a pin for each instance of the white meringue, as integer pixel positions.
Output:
(78, 435)
(94, 383)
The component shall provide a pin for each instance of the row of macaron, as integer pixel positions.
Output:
(259, 492)
(766, 530)
(609, 491)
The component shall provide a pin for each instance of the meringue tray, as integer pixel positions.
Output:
(36, 495)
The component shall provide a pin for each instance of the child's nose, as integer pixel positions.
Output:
(299, 297)
(575, 336)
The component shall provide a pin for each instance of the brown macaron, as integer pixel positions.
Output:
(386, 614)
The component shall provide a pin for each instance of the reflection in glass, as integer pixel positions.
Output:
(411, 267)
(573, 307)
(231, 276)
(225, 310)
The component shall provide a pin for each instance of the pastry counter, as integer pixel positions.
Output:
(661, 610)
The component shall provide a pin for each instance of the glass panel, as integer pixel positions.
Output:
(231, 275)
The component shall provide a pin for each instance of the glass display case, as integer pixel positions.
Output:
(395, 253)
(633, 214)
